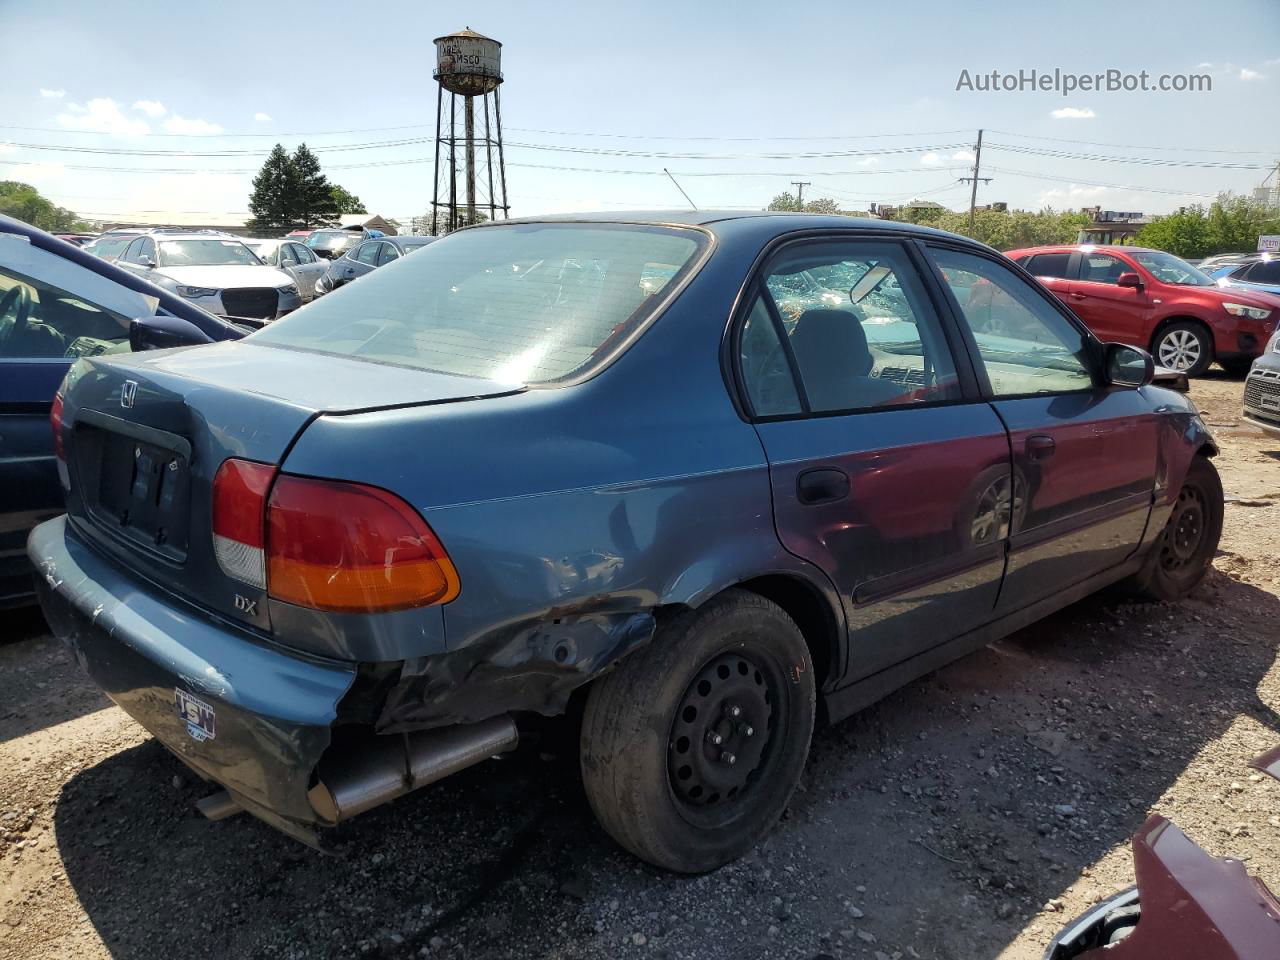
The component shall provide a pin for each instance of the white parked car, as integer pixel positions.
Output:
(216, 271)
(296, 259)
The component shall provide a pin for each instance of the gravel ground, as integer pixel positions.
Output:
(967, 816)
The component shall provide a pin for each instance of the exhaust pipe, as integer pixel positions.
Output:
(392, 766)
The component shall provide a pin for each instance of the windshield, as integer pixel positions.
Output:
(109, 246)
(330, 240)
(1167, 268)
(522, 303)
(193, 253)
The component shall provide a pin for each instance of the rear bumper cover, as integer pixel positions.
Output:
(271, 711)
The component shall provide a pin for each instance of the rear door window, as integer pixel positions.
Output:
(1048, 265)
(389, 253)
(523, 303)
(368, 254)
(855, 325)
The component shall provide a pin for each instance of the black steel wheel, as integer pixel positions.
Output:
(1182, 555)
(692, 747)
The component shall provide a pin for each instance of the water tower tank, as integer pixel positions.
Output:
(468, 63)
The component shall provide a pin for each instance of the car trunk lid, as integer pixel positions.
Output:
(148, 432)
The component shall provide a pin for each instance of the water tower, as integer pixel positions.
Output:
(468, 68)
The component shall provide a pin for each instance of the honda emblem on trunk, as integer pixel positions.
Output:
(128, 392)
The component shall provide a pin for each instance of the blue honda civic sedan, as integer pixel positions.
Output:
(710, 476)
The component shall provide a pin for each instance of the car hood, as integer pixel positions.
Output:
(224, 277)
(1247, 297)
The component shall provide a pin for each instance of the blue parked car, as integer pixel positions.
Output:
(588, 460)
(1261, 275)
(59, 303)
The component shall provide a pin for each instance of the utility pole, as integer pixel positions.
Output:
(977, 166)
(800, 185)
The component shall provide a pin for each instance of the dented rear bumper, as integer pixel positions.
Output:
(269, 713)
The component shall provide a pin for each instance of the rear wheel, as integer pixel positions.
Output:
(692, 747)
(1181, 557)
(1184, 346)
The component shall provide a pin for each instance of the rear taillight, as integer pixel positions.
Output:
(326, 544)
(350, 548)
(239, 519)
(55, 419)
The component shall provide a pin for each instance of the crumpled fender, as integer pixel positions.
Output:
(533, 666)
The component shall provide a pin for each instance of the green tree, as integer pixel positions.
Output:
(273, 202)
(346, 201)
(315, 205)
(1230, 224)
(24, 202)
(789, 203)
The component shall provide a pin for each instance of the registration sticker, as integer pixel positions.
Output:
(197, 714)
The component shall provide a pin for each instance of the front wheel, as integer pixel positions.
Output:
(692, 747)
(1181, 557)
(1185, 347)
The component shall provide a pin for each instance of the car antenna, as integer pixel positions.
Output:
(680, 188)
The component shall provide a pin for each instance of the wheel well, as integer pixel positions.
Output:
(806, 605)
(1170, 321)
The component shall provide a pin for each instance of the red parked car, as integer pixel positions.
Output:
(1152, 299)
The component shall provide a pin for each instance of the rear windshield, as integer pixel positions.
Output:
(524, 303)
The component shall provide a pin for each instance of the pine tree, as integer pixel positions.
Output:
(315, 203)
(272, 202)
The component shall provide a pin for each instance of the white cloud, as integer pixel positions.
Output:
(932, 159)
(102, 115)
(177, 124)
(1247, 75)
(152, 108)
(1072, 113)
(52, 94)
(261, 118)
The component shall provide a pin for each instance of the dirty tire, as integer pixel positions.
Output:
(653, 772)
(1184, 346)
(1180, 558)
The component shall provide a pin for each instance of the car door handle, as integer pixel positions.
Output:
(823, 485)
(1079, 296)
(1040, 447)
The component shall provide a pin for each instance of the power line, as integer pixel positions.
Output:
(1132, 146)
(1098, 183)
(1110, 158)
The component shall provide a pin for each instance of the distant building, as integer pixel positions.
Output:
(887, 211)
(1111, 227)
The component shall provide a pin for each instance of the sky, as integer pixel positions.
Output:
(599, 97)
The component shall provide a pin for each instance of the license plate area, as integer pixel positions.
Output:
(136, 482)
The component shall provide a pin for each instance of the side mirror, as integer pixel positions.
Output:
(1128, 366)
(157, 333)
(147, 262)
(1129, 279)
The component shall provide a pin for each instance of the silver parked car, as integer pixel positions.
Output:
(215, 271)
(295, 259)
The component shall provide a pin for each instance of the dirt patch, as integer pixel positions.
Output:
(967, 816)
